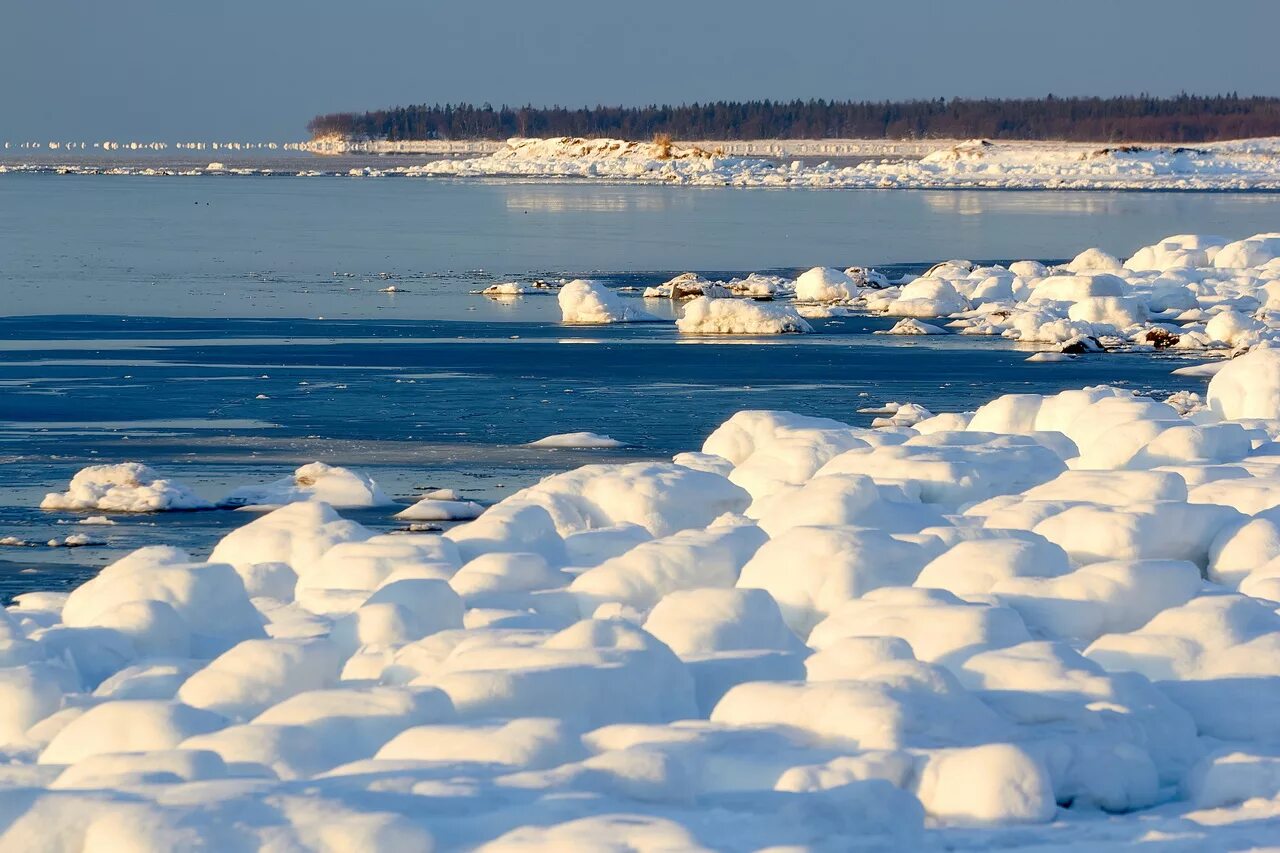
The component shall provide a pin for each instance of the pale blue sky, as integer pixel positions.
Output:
(177, 69)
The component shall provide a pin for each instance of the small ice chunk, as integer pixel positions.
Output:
(577, 440)
(431, 509)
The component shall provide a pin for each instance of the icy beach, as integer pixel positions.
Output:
(1240, 165)
(1048, 621)
(588, 552)
(972, 164)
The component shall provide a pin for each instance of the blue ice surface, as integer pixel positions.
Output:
(430, 404)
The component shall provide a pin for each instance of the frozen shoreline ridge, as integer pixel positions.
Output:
(1191, 293)
(1051, 620)
(1240, 165)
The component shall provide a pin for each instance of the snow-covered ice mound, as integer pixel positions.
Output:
(1194, 293)
(1050, 621)
(707, 316)
(434, 509)
(591, 303)
(124, 487)
(578, 440)
(316, 481)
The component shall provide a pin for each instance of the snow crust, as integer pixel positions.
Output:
(1052, 620)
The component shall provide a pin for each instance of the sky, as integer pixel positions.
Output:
(176, 70)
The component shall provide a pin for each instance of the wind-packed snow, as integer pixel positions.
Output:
(1052, 621)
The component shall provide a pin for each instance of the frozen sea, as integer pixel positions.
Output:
(226, 329)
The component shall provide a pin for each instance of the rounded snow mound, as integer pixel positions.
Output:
(316, 481)
(1056, 611)
(824, 284)
(591, 303)
(707, 316)
(577, 440)
(125, 487)
(1248, 387)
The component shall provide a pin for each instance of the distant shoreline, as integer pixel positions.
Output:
(732, 148)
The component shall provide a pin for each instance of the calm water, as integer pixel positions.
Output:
(142, 318)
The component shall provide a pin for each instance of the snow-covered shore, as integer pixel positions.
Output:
(1049, 621)
(1243, 165)
(1249, 164)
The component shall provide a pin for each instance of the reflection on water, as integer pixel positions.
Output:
(1029, 203)
(556, 198)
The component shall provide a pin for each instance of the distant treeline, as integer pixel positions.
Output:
(1185, 118)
